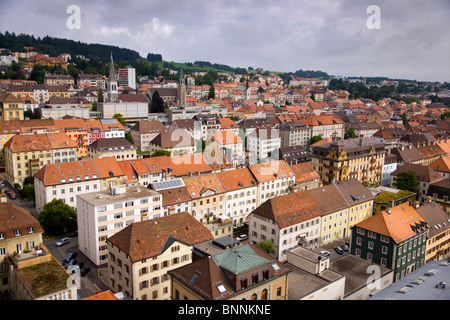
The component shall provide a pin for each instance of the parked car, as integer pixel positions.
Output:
(325, 253)
(242, 237)
(80, 264)
(345, 247)
(62, 242)
(12, 195)
(74, 234)
(339, 250)
(85, 271)
(70, 263)
(70, 256)
(2, 184)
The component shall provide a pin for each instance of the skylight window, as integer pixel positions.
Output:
(275, 267)
(222, 289)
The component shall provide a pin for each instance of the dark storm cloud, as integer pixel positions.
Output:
(284, 35)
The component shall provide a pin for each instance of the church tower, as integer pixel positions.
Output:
(113, 92)
(181, 99)
(247, 91)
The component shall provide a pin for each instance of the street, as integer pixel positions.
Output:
(92, 282)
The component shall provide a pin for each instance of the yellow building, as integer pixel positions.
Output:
(26, 154)
(177, 142)
(10, 107)
(243, 273)
(43, 60)
(141, 254)
(334, 219)
(25, 261)
(343, 204)
(360, 158)
(438, 240)
(60, 91)
(208, 197)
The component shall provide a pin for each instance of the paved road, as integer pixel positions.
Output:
(91, 283)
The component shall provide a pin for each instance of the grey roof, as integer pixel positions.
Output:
(239, 260)
(112, 144)
(356, 147)
(422, 284)
(353, 191)
(161, 185)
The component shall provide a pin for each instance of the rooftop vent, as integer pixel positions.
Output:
(431, 272)
(405, 289)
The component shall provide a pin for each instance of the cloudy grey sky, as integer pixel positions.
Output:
(286, 35)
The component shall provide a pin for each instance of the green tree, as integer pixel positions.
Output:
(265, 245)
(212, 92)
(315, 139)
(100, 97)
(129, 137)
(119, 118)
(350, 133)
(57, 217)
(159, 153)
(157, 105)
(407, 181)
(405, 118)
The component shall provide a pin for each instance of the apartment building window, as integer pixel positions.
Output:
(370, 245)
(244, 283)
(143, 284)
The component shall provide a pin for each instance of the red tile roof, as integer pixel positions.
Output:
(150, 238)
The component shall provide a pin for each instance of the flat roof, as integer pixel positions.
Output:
(44, 278)
(126, 193)
(421, 284)
(355, 270)
(303, 283)
(216, 246)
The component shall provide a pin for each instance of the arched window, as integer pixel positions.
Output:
(264, 295)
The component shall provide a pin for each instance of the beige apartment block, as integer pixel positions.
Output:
(27, 154)
(361, 158)
(102, 214)
(141, 254)
(119, 148)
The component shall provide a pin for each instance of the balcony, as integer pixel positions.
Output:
(30, 257)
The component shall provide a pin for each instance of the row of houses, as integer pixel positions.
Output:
(28, 145)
